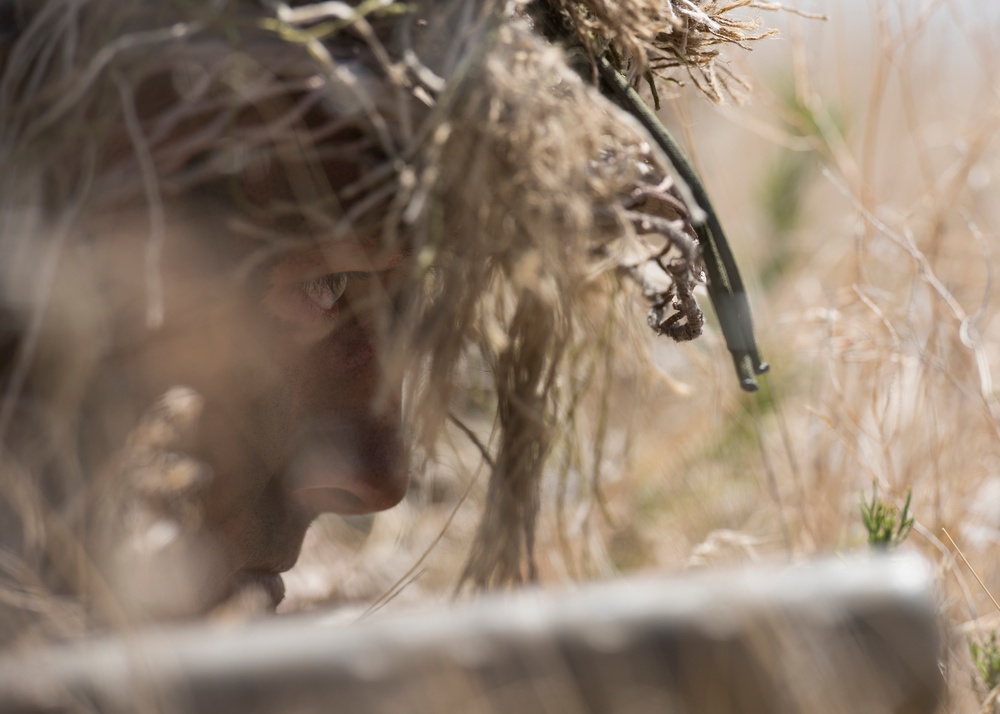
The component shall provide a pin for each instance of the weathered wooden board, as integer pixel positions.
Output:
(836, 636)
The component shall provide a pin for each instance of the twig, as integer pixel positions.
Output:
(725, 286)
(150, 185)
(971, 569)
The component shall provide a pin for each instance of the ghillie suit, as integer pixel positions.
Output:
(461, 130)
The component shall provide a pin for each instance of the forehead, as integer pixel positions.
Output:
(235, 182)
(197, 238)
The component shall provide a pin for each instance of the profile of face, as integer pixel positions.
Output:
(299, 414)
(211, 253)
(268, 313)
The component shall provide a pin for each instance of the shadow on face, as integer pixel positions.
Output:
(298, 414)
(194, 212)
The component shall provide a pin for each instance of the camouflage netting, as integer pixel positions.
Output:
(458, 128)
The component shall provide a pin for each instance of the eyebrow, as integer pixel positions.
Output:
(365, 256)
(401, 251)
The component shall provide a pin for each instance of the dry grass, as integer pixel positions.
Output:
(510, 176)
(857, 189)
(858, 186)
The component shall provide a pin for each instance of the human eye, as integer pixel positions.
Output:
(325, 291)
(311, 302)
(302, 291)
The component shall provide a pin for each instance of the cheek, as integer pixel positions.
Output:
(291, 427)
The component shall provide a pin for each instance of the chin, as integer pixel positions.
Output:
(251, 593)
(232, 570)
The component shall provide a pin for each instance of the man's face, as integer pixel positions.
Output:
(299, 415)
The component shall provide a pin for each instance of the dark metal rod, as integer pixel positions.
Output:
(725, 286)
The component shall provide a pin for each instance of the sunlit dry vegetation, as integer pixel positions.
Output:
(851, 149)
(858, 181)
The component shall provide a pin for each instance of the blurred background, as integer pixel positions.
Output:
(857, 177)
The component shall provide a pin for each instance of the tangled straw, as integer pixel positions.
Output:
(454, 128)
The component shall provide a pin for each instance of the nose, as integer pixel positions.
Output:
(351, 458)
(351, 466)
